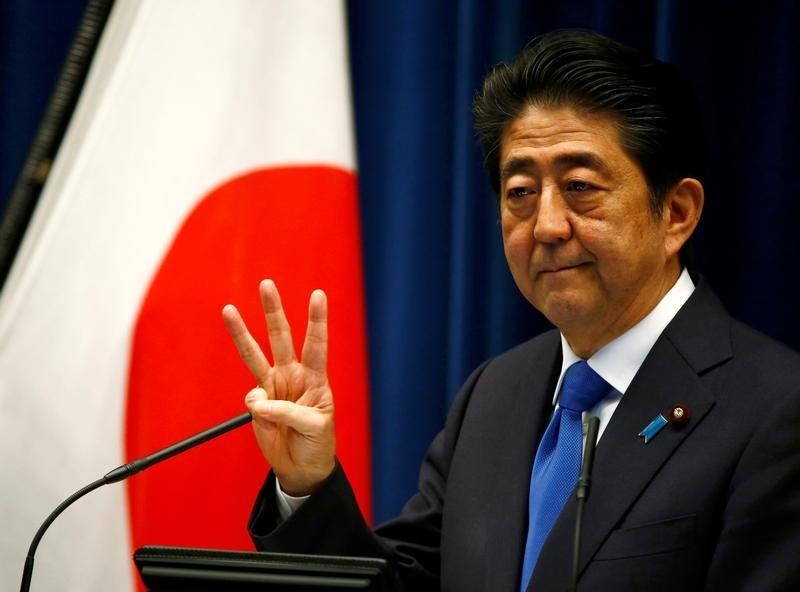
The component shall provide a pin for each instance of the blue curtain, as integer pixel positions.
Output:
(34, 39)
(439, 296)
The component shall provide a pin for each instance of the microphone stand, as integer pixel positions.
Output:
(123, 472)
(582, 494)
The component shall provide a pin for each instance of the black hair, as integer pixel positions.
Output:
(653, 106)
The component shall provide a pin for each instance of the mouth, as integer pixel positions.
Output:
(559, 268)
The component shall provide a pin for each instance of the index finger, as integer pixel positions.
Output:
(248, 347)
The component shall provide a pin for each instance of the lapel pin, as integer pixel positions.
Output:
(659, 421)
(679, 414)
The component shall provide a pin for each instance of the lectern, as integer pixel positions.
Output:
(175, 569)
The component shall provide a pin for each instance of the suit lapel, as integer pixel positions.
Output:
(624, 464)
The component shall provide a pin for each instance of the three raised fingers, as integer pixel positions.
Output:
(315, 347)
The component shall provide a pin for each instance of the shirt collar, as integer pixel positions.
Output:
(619, 360)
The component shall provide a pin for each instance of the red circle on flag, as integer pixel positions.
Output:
(300, 227)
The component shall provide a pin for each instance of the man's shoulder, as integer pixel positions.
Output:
(537, 355)
(544, 343)
(760, 351)
(703, 323)
(710, 309)
(723, 348)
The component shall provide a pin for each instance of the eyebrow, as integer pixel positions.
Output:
(572, 160)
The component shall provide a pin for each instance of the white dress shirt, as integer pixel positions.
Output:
(619, 360)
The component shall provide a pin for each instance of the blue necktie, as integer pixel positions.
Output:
(558, 459)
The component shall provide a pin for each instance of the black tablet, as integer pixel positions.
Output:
(176, 569)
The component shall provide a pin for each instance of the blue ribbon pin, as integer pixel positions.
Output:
(653, 428)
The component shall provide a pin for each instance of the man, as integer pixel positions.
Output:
(592, 148)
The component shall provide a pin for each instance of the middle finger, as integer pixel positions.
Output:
(280, 334)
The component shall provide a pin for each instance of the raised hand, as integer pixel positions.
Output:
(292, 407)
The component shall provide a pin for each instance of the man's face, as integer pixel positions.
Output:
(581, 240)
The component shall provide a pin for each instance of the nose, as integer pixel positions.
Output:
(551, 223)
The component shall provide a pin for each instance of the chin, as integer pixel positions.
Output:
(565, 311)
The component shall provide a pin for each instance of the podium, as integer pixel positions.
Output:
(177, 569)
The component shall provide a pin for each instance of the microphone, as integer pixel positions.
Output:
(123, 472)
(582, 493)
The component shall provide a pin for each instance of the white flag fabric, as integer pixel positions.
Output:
(212, 146)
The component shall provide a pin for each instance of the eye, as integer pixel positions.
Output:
(519, 192)
(578, 186)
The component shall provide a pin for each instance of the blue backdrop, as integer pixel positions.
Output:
(439, 296)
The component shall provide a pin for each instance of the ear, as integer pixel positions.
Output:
(681, 213)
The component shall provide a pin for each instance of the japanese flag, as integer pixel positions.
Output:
(212, 146)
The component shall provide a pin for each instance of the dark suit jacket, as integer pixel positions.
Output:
(713, 504)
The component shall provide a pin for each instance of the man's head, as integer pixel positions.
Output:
(587, 148)
(652, 105)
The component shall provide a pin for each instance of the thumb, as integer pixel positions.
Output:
(252, 400)
(252, 397)
(305, 420)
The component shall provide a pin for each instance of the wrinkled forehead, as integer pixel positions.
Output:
(570, 136)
